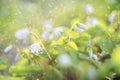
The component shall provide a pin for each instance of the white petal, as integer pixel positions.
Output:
(92, 21)
(78, 29)
(46, 35)
(83, 26)
(64, 60)
(90, 53)
(22, 33)
(58, 31)
(8, 48)
(95, 57)
(35, 48)
(89, 9)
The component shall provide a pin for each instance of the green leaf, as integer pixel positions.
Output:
(82, 39)
(83, 56)
(3, 67)
(72, 45)
(106, 45)
(116, 56)
(94, 31)
(84, 36)
(61, 41)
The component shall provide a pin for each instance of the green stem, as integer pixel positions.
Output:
(37, 37)
(68, 36)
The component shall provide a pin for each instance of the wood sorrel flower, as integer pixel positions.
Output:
(22, 34)
(80, 27)
(92, 21)
(64, 60)
(35, 48)
(46, 35)
(89, 9)
(58, 31)
(83, 26)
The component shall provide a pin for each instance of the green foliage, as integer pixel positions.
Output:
(82, 39)
(3, 63)
(11, 78)
(23, 68)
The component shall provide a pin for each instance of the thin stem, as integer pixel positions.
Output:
(41, 44)
(68, 36)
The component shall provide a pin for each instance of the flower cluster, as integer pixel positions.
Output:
(49, 33)
(35, 48)
(22, 34)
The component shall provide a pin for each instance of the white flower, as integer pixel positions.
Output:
(35, 48)
(112, 17)
(89, 9)
(64, 60)
(80, 28)
(48, 25)
(92, 21)
(92, 56)
(46, 35)
(58, 31)
(8, 48)
(95, 57)
(83, 26)
(22, 34)
(90, 53)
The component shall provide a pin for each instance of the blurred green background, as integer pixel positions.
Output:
(15, 14)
